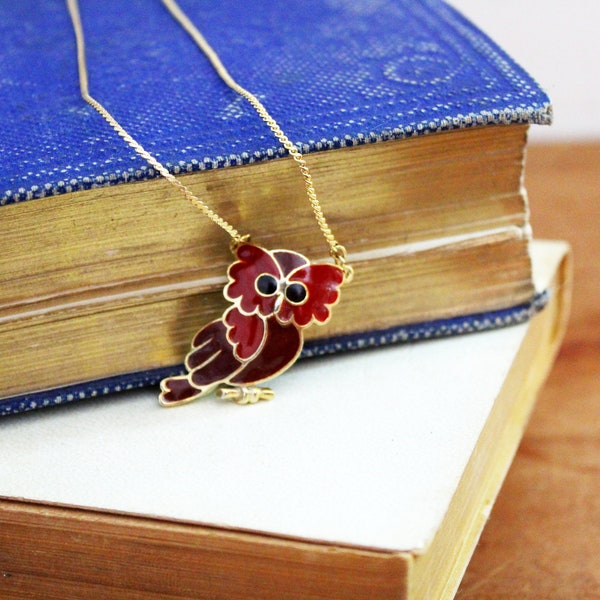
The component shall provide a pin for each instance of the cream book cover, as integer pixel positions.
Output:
(389, 459)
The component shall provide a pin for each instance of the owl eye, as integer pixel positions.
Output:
(266, 284)
(296, 293)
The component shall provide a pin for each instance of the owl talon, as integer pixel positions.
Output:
(245, 395)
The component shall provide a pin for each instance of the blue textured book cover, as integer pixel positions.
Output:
(333, 73)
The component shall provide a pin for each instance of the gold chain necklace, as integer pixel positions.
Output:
(274, 293)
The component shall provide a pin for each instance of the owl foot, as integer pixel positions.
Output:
(245, 395)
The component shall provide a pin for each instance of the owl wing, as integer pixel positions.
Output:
(245, 333)
(210, 362)
(212, 359)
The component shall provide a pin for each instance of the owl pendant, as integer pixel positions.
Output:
(275, 294)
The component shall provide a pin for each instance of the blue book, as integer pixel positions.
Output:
(413, 122)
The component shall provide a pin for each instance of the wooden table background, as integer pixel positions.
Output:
(543, 537)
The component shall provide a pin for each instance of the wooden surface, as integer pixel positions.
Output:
(543, 536)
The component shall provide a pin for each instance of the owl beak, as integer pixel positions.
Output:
(278, 303)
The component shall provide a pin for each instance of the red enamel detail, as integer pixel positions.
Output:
(289, 261)
(282, 347)
(253, 262)
(250, 343)
(211, 359)
(322, 283)
(244, 332)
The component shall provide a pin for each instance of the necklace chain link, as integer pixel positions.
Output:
(336, 250)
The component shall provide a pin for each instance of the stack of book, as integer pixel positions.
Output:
(373, 474)
(414, 125)
(370, 477)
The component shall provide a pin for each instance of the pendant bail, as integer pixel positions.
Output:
(236, 242)
(339, 255)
